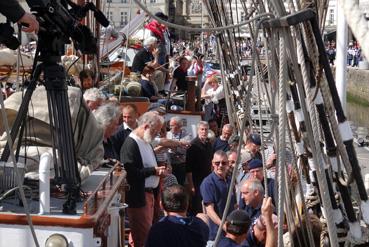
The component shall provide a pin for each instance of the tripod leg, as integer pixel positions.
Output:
(61, 124)
(22, 113)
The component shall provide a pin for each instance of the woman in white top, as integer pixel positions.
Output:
(213, 94)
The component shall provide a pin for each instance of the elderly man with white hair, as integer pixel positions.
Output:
(93, 98)
(145, 55)
(107, 116)
(143, 175)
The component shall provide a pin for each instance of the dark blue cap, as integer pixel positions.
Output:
(255, 163)
(255, 138)
(239, 218)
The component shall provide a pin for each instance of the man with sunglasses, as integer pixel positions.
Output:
(214, 190)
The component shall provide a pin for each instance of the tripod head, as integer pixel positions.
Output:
(59, 25)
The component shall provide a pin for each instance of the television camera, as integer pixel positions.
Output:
(60, 23)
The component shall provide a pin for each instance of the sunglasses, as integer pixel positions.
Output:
(224, 163)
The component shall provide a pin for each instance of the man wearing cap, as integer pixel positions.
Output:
(221, 142)
(252, 146)
(255, 171)
(234, 142)
(237, 226)
(176, 228)
(214, 190)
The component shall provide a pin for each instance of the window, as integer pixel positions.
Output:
(243, 17)
(152, 1)
(123, 1)
(331, 16)
(123, 18)
(109, 1)
(110, 16)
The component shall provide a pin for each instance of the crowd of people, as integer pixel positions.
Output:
(178, 183)
(353, 53)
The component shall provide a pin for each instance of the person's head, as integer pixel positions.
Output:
(108, 117)
(162, 16)
(183, 63)
(220, 163)
(93, 98)
(259, 228)
(212, 81)
(233, 142)
(86, 78)
(232, 158)
(252, 192)
(174, 198)
(150, 43)
(299, 235)
(175, 125)
(149, 125)
(147, 72)
(213, 125)
(253, 143)
(238, 223)
(202, 130)
(255, 168)
(130, 115)
(227, 132)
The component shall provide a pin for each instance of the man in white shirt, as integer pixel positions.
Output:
(143, 175)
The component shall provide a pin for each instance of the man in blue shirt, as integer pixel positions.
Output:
(252, 193)
(237, 225)
(176, 229)
(214, 190)
(221, 142)
(255, 171)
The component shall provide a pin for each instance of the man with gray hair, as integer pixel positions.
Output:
(107, 117)
(145, 55)
(198, 164)
(177, 155)
(93, 98)
(252, 193)
(143, 175)
(214, 190)
(221, 142)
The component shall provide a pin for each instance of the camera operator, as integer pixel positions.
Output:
(12, 10)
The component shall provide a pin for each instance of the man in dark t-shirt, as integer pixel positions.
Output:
(144, 55)
(198, 164)
(176, 229)
(179, 75)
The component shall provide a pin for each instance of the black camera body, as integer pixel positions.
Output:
(6, 36)
(59, 25)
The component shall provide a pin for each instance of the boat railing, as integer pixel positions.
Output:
(100, 198)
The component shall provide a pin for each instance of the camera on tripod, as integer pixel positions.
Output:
(60, 24)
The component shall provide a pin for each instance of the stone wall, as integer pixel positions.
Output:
(358, 83)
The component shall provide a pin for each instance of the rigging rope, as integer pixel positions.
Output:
(281, 135)
(314, 139)
(18, 176)
(195, 29)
